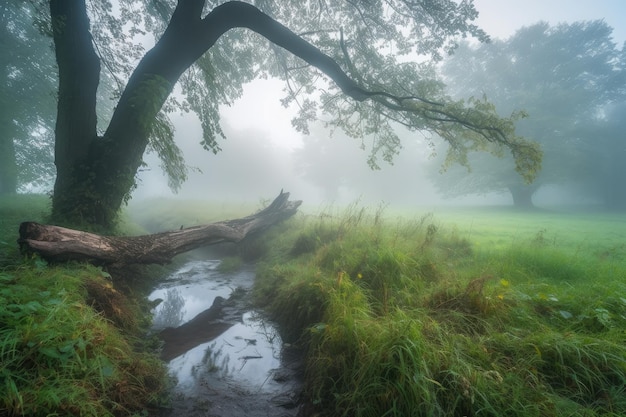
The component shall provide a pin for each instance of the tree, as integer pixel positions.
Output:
(336, 167)
(605, 156)
(356, 49)
(27, 102)
(562, 77)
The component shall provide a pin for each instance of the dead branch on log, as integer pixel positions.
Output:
(59, 244)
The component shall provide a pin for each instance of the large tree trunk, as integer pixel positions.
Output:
(523, 195)
(79, 75)
(59, 244)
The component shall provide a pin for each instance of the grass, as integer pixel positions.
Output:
(426, 317)
(463, 313)
(598, 234)
(71, 343)
(14, 210)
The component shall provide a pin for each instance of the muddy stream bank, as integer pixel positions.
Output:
(227, 358)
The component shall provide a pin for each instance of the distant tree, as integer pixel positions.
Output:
(346, 61)
(328, 162)
(335, 165)
(28, 84)
(562, 77)
(605, 156)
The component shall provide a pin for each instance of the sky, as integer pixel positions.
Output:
(501, 18)
(258, 126)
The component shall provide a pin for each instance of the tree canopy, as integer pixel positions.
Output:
(359, 66)
(563, 77)
(27, 100)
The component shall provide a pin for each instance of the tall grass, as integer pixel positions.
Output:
(60, 355)
(415, 318)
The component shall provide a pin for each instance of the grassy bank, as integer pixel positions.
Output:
(523, 317)
(463, 313)
(70, 342)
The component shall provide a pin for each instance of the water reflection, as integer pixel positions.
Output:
(246, 354)
(215, 361)
(197, 283)
(239, 349)
(171, 310)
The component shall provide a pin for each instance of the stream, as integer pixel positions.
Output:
(225, 357)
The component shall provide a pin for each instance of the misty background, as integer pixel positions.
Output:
(263, 153)
(571, 49)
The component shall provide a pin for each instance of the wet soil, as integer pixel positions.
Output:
(226, 358)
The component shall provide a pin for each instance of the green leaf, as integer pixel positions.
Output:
(566, 314)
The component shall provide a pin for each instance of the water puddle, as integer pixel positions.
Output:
(227, 359)
(192, 289)
(243, 355)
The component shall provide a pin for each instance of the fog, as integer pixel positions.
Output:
(321, 168)
(258, 159)
(263, 153)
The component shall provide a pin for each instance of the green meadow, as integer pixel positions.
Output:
(598, 234)
(448, 312)
(479, 312)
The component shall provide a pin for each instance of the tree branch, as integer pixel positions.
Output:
(188, 37)
(245, 15)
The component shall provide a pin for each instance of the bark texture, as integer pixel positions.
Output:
(59, 244)
(75, 130)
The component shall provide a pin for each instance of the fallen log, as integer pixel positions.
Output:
(59, 244)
